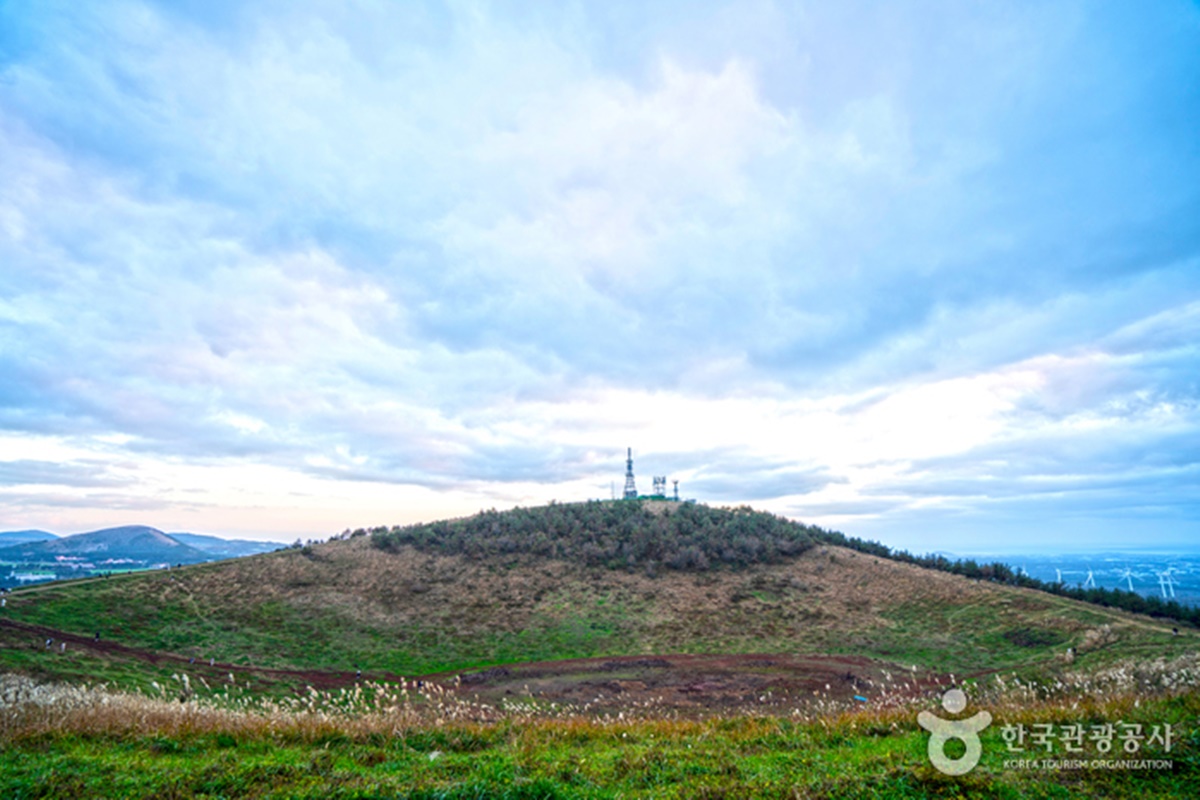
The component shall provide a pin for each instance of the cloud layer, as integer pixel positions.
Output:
(918, 271)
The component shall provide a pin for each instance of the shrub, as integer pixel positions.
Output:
(621, 534)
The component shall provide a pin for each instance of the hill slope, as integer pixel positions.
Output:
(343, 605)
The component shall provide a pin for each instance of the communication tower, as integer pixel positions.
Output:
(660, 486)
(630, 486)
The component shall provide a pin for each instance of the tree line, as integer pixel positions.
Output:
(998, 572)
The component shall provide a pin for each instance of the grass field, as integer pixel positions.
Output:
(375, 741)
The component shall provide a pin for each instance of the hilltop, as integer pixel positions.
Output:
(638, 534)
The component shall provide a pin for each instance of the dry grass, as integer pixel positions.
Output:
(344, 603)
(29, 709)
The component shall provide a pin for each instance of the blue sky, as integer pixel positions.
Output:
(924, 272)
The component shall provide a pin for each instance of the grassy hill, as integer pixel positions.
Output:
(403, 603)
(624, 590)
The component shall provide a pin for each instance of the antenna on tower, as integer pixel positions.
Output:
(630, 484)
(676, 482)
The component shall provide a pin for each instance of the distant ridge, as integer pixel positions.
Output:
(216, 547)
(9, 538)
(133, 542)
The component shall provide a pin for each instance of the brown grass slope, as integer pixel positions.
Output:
(344, 605)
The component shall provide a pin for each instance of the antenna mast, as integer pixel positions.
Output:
(630, 485)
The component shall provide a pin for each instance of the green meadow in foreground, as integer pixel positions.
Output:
(387, 741)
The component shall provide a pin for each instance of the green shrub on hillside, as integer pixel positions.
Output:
(622, 534)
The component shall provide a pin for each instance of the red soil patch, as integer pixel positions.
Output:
(685, 683)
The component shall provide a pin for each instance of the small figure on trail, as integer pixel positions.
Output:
(62, 647)
(192, 660)
(1174, 631)
(48, 643)
(97, 636)
(358, 675)
(212, 662)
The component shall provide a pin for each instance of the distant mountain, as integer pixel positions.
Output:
(138, 543)
(10, 538)
(216, 547)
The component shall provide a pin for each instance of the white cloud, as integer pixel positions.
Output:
(437, 257)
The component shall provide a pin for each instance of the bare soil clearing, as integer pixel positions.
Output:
(688, 682)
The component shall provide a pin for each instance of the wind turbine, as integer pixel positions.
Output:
(1163, 582)
(1128, 578)
(1058, 574)
(1091, 580)
(1170, 584)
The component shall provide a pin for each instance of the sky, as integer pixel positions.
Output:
(924, 272)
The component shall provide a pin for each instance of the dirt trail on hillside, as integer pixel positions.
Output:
(218, 670)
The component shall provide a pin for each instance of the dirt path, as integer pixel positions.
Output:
(219, 670)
